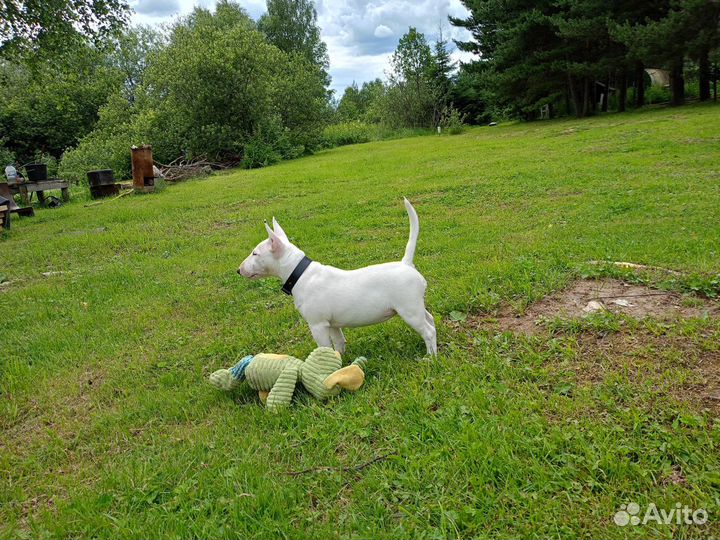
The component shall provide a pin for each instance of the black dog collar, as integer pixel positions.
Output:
(295, 275)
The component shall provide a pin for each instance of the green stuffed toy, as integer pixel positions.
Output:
(275, 376)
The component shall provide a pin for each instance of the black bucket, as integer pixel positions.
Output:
(36, 172)
(97, 192)
(103, 177)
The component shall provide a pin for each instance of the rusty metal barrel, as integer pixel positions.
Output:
(142, 168)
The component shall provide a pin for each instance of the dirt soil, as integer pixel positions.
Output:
(588, 296)
(641, 353)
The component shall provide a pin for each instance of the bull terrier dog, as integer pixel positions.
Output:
(330, 299)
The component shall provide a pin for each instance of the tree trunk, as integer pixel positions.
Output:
(567, 101)
(606, 93)
(577, 103)
(677, 83)
(622, 89)
(704, 75)
(585, 97)
(639, 84)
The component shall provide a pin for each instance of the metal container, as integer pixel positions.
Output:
(103, 177)
(36, 172)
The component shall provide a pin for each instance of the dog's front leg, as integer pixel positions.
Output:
(338, 339)
(321, 334)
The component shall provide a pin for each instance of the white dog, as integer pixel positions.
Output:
(330, 299)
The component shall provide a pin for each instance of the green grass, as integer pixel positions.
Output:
(109, 428)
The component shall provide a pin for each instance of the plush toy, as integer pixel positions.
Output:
(275, 376)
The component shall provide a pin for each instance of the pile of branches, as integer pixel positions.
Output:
(182, 168)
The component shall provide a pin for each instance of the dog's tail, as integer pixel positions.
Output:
(414, 232)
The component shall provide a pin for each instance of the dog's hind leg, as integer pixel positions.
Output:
(431, 321)
(321, 334)
(338, 339)
(417, 318)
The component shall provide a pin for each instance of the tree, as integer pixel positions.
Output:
(525, 62)
(350, 107)
(131, 54)
(362, 104)
(46, 108)
(550, 51)
(441, 71)
(410, 97)
(469, 95)
(29, 25)
(291, 25)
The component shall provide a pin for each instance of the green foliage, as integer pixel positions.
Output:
(7, 157)
(196, 98)
(132, 52)
(451, 121)
(50, 106)
(291, 25)
(50, 26)
(657, 94)
(410, 98)
(353, 132)
(50, 162)
(363, 104)
(271, 143)
(557, 52)
(108, 146)
(469, 95)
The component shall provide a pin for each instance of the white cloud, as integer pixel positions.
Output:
(382, 31)
(360, 34)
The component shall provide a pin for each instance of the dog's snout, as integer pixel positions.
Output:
(239, 271)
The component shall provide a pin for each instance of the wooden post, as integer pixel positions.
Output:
(142, 168)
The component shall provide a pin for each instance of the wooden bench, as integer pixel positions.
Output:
(4, 213)
(26, 189)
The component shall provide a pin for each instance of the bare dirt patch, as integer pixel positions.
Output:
(591, 296)
(685, 367)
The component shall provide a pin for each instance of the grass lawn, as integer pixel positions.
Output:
(109, 428)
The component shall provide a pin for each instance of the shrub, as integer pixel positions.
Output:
(7, 157)
(657, 94)
(451, 120)
(107, 147)
(348, 133)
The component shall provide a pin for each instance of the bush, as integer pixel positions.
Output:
(7, 157)
(657, 94)
(348, 133)
(272, 142)
(107, 147)
(452, 121)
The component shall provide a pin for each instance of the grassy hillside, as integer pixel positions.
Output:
(109, 428)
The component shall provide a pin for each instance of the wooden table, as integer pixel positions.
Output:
(26, 189)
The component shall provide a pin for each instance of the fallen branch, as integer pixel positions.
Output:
(96, 203)
(357, 468)
(181, 169)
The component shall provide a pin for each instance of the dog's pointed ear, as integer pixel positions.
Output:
(278, 229)
(277, 244)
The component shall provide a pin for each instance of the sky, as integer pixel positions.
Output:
(360, 34)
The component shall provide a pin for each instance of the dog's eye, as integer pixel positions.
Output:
(255, 254)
